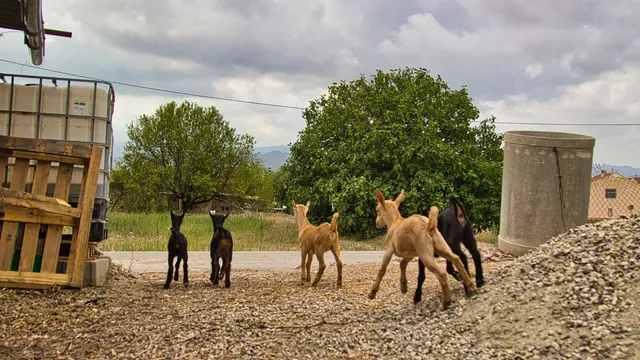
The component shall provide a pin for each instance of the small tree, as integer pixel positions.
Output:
(186, 151)
(402, 129)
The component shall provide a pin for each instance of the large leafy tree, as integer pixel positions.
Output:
(394, 130)
(190, 152)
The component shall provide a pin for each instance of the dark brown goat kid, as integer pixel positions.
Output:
(456, 229)
(177, 247)
(221, 247)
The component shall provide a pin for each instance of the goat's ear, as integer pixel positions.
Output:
(380, 197)
(459, 210)
(226, 216)
(308, 203)
(293, 203)
(400, 198)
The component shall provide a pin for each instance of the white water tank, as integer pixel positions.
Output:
(74, 114)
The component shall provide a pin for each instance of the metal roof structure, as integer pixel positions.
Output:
(26, 16)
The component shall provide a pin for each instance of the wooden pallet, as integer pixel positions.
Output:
(34, 210)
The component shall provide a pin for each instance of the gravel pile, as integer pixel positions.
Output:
(575, 297)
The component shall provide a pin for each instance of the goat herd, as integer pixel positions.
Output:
(427, 237)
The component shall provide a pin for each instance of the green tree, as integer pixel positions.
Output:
(401, 129)
(186, 151)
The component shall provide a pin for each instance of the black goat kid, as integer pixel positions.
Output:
(221, 247)
(177, 247)
(455, 227)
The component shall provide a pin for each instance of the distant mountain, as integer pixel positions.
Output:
(267, 149)
(273, 156)
(623, 170)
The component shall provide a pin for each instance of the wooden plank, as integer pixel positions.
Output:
(38, 201)
(11, 193)
(41, 156)
(4, 160)
(31, 231)
(80, 239)
(9, 229)
(45, 146)
(54, 233)
(13, 213)
(30, 280)
(13, 285)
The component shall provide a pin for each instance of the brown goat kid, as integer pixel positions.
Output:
(317, 240)
(414, 236)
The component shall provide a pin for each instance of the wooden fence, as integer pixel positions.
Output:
(32, 221)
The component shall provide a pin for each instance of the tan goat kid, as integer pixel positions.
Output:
(317, 240)
(414, 236)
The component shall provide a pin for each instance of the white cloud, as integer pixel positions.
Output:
(613, 97)
(522, 61)
(533, 70)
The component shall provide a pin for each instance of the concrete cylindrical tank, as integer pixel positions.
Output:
(545, 187)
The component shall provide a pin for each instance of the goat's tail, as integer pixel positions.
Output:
(433, 218)
(333, 229)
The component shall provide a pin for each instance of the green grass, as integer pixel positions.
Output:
(251, 232)
(488, 237)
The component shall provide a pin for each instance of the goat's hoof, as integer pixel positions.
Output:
(166, 286)
(470, 292)
(403, 288)
(446, 304)
(417, 299)
(186, 284)
(372, 295)
(479, 283)
(227, 285)
(339, 286)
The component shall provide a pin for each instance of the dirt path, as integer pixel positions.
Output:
(575, 297)
(265, 313)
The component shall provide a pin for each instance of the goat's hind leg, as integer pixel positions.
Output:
(175, 274)
(471, 245)
(227, 266)
(227, 270)
(216, 270)
(403, 274)
(430, 264)
(335, 249)
(303, 266)
(309, 259)
(167, 283)
(185, 270)
(213, 269)
(445, 251)
(455, 248)
(321, 267)
(417, 297)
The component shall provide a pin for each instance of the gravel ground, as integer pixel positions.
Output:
(575, 297)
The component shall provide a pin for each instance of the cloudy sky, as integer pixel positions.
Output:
(546, 61)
